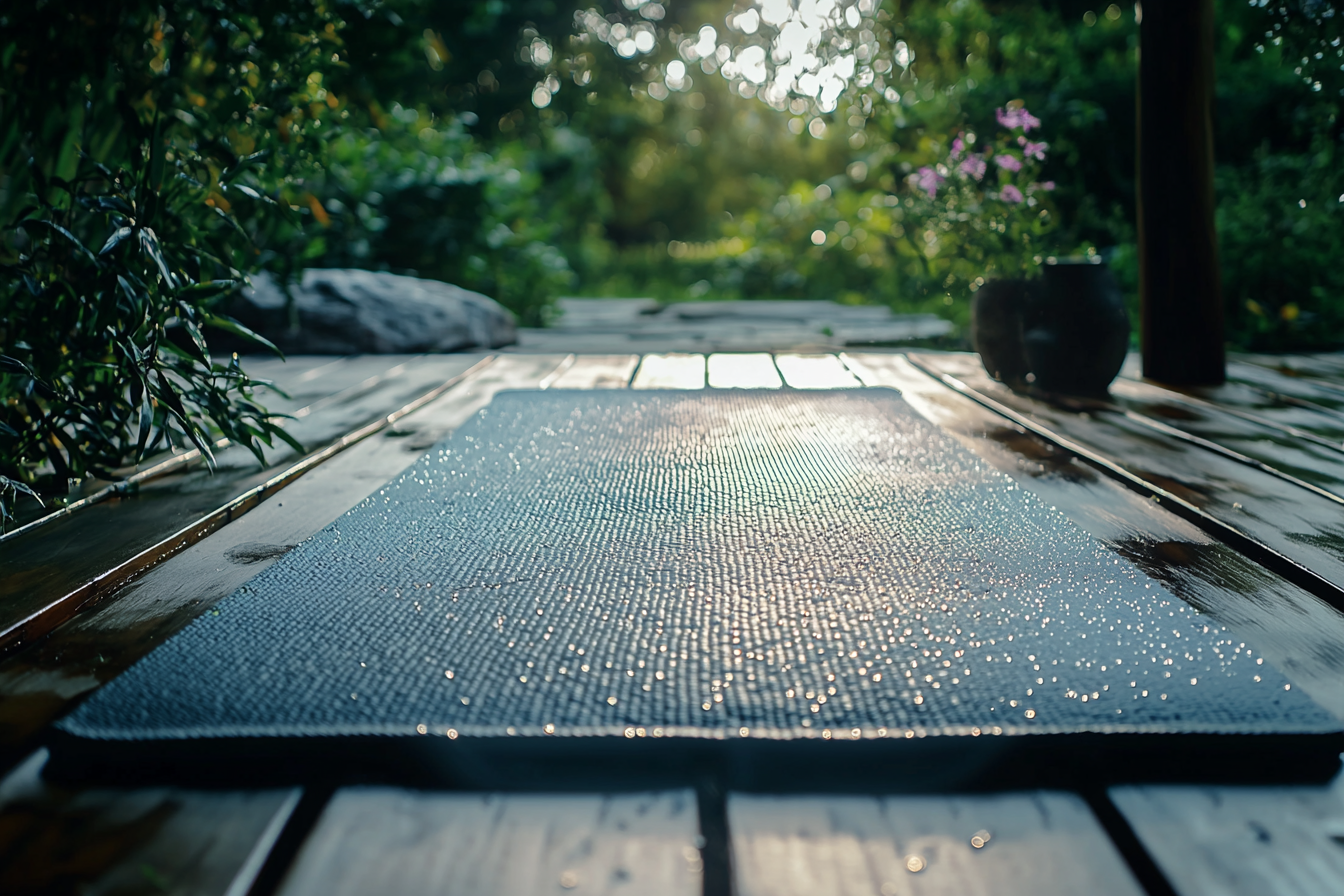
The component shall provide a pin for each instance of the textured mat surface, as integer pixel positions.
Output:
(767, 564)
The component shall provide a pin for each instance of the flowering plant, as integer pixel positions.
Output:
(978, 208)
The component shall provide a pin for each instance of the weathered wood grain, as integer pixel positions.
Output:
(815, 372)
(1297, 632)
(1038, 844)
(39, 684)
(744, 370)
(1241, 841)
(1297, 524)
(598, 372)
(1321, 390)
(314, 378)
(63, 554)
(1327, 365)
(132, 842)
(407, 843)
(670, 371)
(1267, 395)
(1313, 459)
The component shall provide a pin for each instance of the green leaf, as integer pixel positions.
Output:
(117, 236)
(70, 237)
(208, 289)
(149, 241)
(197, 339)
(229, 325)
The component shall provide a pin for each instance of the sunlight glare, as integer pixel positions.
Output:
(743, 371)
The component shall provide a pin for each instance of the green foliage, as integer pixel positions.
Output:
(152, 154)
(421, 196)
(147, 150)
(1282, 277)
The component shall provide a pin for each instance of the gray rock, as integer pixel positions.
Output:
(370, 312)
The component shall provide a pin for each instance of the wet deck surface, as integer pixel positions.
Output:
(1229, 503)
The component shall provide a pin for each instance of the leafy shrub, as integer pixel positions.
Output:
(147, 150)
(418, 195)
(1281, 230)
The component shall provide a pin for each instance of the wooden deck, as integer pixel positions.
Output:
(1232, 498)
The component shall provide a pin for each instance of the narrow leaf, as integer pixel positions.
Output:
(229, 325)
(112, 241)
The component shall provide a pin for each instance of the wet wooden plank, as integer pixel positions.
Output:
(1269, 396)
(1294, 523)
(147, 841)
(1295, 631)
(39, 684)
(745, 370)
(316, 377)
(598, 372)
(815, 372)
(1327, 365)
(1241, 841)
(395, 841)
(312, 382)
(1285, 382)
(1299, 453)
(670, 371)
(56, 559)
(1036, 843)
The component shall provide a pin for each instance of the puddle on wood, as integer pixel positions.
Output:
(1039, 457)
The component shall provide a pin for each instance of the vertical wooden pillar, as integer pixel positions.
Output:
(1180, 284)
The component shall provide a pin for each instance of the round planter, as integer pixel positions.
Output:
(997, 309)
(1075, 330)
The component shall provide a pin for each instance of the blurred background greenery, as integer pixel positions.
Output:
(616, 188)
(154, 154)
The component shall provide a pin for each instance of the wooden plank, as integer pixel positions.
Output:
(1320, 393)
(396, 841)
(747, 370)
(1303, 455)
(39, 684)
(670, 371)
(1295, 631)
(1241, 841)
(1291, 404)
(1328, 365)
(50, 571)
(310, 383)
(598, 372)
(815, 372)
(1284, 414)
(315, 382)
(1034, 843)
(1298, 531)
(158, 840)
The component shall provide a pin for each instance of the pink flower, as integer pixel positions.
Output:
(957, 148)
(927, 180)
(1047, 186)
(1010, 193)
(974, 166)
(1012, 163)
(1033, 150)
(1017, 118)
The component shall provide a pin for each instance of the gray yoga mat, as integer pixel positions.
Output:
(774, 564)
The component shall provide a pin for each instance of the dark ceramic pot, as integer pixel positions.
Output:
(996, 329)
(1065, 332)
(1075, 330)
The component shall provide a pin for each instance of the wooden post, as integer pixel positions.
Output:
(1180, 285)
